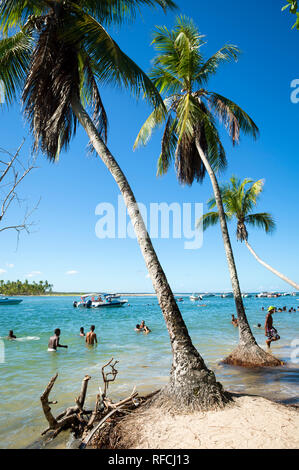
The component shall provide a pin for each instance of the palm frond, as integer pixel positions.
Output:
(168, 146)
(15, 52)
(249, 198)
(208, 220)
(111, 64)
(52, 82)
(155, 119)
(118, 11)
(227, 53)
(93, 98)
(232, 116)
(16, 12)
(262, 220)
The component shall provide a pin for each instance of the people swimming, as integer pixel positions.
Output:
(142, 327)
(270, 331)
(234, 321)
(82, 331)
(11, 335)
(91, 337)
(54, 341)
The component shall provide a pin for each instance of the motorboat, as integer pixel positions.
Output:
(262, 295)
(207, 295)
(180, 299)
(246, 296)
(229, 295)
(195, 297)
(8, 301)
(99, 301)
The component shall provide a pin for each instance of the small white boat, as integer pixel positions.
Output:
(194, 297)
(229, 295)
(8, 301)
(100, 301)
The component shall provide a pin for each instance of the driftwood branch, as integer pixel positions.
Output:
(105, 375)
(75, 417)
(71, 416)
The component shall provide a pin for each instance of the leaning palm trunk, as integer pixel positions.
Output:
(248, 353)
(191, 383)
(274, 271)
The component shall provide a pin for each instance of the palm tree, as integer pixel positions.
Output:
(192, 140)
(239, 201)
(58, 59)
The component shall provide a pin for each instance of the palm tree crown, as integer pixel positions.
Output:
(63, 51)
(239, 199)
(181, 74)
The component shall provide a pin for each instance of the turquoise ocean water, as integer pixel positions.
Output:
(144, 360)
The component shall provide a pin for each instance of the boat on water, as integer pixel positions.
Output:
(100, 301)
(195, 297)
(8, 301)
(180, 299)
(246, 296)
(228, 295)
(206, 295)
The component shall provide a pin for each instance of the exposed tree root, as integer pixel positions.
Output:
(252, 356)
(200, 392)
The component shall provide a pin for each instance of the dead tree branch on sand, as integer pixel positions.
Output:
(86, 423)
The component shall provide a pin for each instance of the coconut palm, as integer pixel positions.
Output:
(192, 140)
(58, 59)
(239, 199)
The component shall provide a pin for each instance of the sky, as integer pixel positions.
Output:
(63, 246)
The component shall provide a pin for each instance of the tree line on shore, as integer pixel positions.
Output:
(25, 288)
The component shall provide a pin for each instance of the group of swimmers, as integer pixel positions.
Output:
(90, 338)
(142, 327)
(284, 309)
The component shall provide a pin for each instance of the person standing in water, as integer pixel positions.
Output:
(11, 335)
(54, 341)
(82, 331)
(270, 331)
(91, 337)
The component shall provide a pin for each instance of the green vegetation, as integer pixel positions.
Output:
(25, 288)
(239, 199)
(293, 5)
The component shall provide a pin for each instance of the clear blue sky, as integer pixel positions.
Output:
(64, 236)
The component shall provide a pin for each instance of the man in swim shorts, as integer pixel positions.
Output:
(270, 331)
(54, 341)
(91, 337)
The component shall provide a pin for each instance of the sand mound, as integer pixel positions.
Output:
(248, 423)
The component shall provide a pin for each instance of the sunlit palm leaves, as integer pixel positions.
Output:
(239, 200)
(64, 51)
(180, 72)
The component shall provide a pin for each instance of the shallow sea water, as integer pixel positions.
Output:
(144, 360)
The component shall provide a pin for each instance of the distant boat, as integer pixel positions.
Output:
(7, 301)
(229, 295)
(207, 295)
(195, 297)
(246, 296)
(180, 299)
(100, 301)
